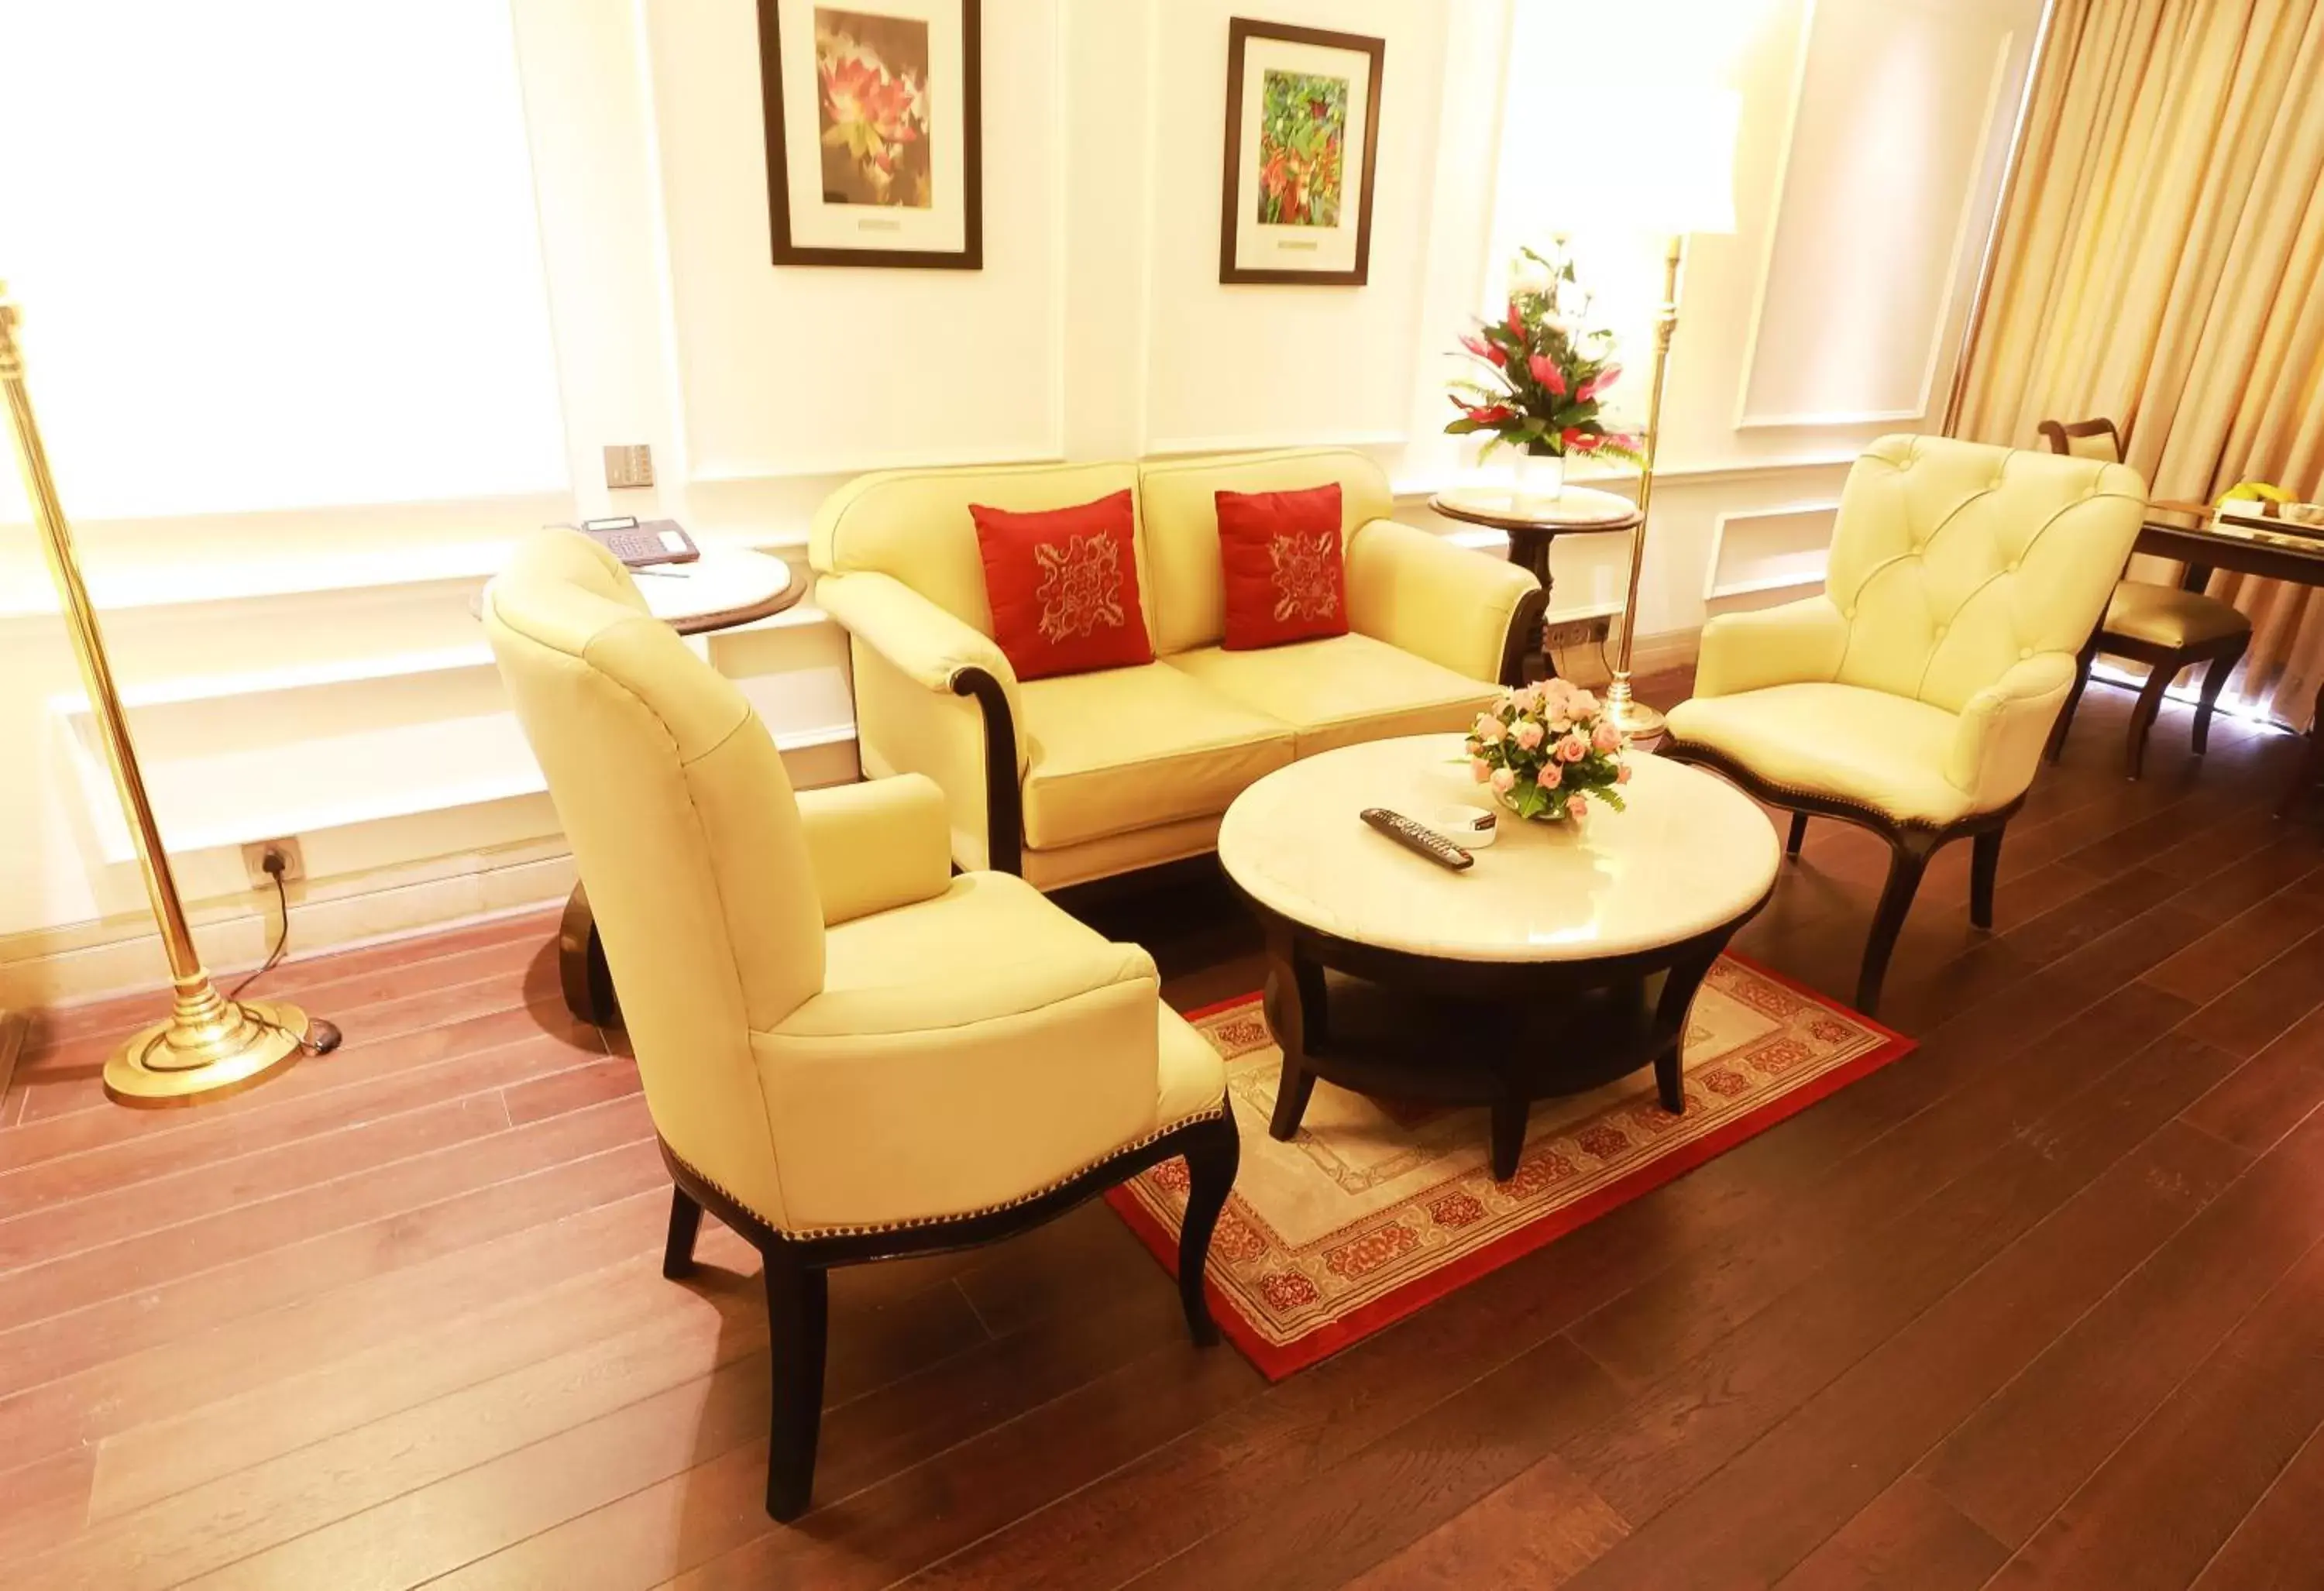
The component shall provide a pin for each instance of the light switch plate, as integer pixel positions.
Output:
(631, 464)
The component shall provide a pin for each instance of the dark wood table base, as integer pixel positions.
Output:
(1501, 1034)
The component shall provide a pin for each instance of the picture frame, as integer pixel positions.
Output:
(874, 129)
(1293, 208)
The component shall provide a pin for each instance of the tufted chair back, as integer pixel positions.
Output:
(687, 834)
(1954, 561)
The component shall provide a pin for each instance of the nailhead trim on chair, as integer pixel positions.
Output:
(807, 1234)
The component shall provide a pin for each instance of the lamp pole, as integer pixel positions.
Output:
(211, 1046)
(1633, 717)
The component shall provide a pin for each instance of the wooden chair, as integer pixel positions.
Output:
(2166, 629)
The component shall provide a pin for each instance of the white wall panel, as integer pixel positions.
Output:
(1882, 198)
(820, 370)
(1252, 366)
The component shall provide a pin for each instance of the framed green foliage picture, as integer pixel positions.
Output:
(1302, 140)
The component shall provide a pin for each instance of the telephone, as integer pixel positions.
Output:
(655, 541)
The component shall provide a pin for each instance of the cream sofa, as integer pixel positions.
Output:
(1083, 776)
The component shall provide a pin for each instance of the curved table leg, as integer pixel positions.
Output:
(581, 964)
(1297, 1016)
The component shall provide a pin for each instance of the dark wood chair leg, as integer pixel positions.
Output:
(1799, 835)
(2311, 772)
(1210, 1167)
(1984, 866)
(796, 1299)
(2143, 714)
(2214, 680)
(2090, 655)
(1298, 1015)
(684, 1224)
(1908, 859)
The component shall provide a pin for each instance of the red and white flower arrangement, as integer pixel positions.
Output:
(1547, 750)
(1544, 374)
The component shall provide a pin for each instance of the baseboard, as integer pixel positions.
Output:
(1651, 655)
(50, 968)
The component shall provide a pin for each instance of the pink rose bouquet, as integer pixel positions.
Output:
(1547, 750)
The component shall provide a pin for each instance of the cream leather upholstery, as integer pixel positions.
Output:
(830, 1026)
(1922, 684)
(1127, 748)
(2165, 616)
(1341, 689)
(1130, 767)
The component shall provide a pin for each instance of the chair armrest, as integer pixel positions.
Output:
(1998, 748)
(1456, 607)
(939, 1098)
(878, 845)
(935, 696)
(1796, 643)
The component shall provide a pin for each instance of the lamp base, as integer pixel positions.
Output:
(1636, 720)
(169, 1064)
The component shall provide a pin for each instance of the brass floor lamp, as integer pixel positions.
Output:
(1675, 177)
(211, 1046)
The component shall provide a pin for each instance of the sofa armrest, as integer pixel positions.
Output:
(1797, 643)
(942, 1096)
(1462, 609)
(1997, 749)
(878, 845)
(935, 696)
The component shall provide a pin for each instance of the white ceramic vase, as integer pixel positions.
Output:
(1540, 480)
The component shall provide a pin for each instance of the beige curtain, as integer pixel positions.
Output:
(2161, 264)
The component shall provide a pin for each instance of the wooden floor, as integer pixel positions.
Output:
(2042, 1304)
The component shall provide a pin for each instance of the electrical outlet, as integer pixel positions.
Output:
(631, 464)
(1576, 632)
(254, 855)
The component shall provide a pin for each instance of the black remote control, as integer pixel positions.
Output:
(1415, 836)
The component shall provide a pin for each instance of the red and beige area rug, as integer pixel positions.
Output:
(1378, 1206)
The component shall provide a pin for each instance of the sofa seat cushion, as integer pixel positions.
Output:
(1127, 749)
(1342, 690)
(1863, 746)
(2165, 616)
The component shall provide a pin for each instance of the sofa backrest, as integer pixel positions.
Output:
(1954, 561)
(1176, 499)
(914, 525)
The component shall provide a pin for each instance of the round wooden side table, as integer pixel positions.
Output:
(723, 589)
(1534, 524)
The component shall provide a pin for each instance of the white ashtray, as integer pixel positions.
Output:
(1472, 828)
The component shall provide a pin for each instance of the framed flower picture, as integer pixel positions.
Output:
(875, 132)
(1302, 140)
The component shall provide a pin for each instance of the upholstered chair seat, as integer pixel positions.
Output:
(2165, 616)
(1915, 696)
(849, 1052)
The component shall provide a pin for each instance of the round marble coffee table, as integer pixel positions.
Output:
(1565, 957)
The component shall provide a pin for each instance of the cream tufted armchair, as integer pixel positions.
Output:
(1915, 696)
(849, 1053)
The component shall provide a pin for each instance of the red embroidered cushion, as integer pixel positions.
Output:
(1064, 587)
(1287, 578)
